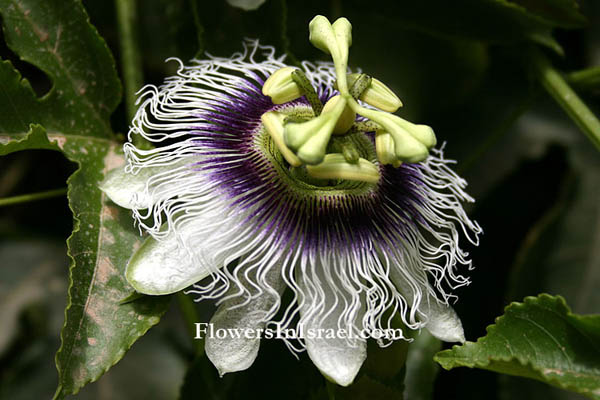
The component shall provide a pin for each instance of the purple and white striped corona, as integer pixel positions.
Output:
(266, 178)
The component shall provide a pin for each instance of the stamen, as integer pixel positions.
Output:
(281, 87)
(273, 123)
(334, 166)
(375, 93)
(384, 145)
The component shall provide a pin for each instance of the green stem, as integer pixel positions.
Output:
(131, 61)
(330, 386)
(556, 85)
(191, 317)
(285, 41)
(199, 27)
(585, 79)
(27, 198)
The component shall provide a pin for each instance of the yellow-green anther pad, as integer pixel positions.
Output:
(281, 87)
(377, 94)
(273, 123)
(385, 147)
(335, 166)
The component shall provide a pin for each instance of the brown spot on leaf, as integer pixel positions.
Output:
(109, 212)
(107, 236)
(105, 270)
(92, 312)
(60, 140)
(113, 160)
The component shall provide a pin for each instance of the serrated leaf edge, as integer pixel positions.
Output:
(524, 363)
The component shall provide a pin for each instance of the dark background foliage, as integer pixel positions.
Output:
(462, 67)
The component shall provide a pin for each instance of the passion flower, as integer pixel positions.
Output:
(267, 178)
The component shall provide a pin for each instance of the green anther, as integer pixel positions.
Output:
(301, 174)
(385, 147)
(309, 91)
(335, 166)
(376, 94)
(280, 86)
(274, 125)
(361, 84)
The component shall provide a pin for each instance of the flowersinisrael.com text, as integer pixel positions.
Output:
(204, 329)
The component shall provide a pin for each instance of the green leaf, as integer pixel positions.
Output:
(492, 21)
(587, 79)
(56, 36)
(98, 329)
(560, 253)
(36, 138)
(539, 339)
(562, 13)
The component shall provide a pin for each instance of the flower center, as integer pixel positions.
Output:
(299, 177)
(324, 142)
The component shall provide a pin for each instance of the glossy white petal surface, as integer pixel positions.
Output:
(324, 313)
(243, 318)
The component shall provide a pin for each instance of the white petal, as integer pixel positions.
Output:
(440, 319)
(165, 266)
(443, 322)
(238, 350)
(338, 359)
(125, 189)
(148, 185)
